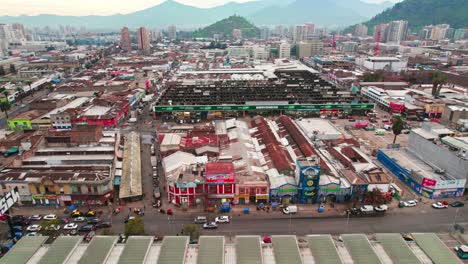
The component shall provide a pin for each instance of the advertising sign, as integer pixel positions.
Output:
(426, 182)
(9, 200)
(298, 107)
(220, 177)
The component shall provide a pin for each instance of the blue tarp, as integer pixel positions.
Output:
(72, 207)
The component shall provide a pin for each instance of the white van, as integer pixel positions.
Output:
(291, 209)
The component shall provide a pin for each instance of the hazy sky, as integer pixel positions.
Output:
(95, 7)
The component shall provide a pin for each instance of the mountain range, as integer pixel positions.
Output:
(420, 13)
(328, 13)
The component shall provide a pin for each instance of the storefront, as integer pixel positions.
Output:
(284, 194)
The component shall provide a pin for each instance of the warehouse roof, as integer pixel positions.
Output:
(397, 249)
(173, 250)
(323, 249)
(136, 249)
(435, 248)
(23, 250)
(211, 250)
(98, 250)
(248, 250)
(61, 250)
(286, 250)
(360, 248)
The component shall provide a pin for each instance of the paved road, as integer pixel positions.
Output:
(421, 219)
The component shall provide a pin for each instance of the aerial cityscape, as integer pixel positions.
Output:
(250, 132)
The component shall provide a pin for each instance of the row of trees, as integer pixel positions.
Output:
(12, 70)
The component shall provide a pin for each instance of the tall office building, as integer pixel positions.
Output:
(284, 51)
(125, 39)
(143, 39)
(361, 30)
(279, 31)
(299, 33)
(383, 29)
(265, 33)
(397, 31)
(172, 32)
(310, 29)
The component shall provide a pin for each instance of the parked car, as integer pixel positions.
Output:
(53, 227)
(74, 232)
(89, 236)
(367, 208)
(35, 217)
(93, 221)
(50, 217)
(20, 220)
(222, 219)
(457, 204)
(18, 228)
(410, 203)
(34, 228)
(129, 218)
(86, 228)
(462, 251)
(210, 225)
(76, 213)
(103, 225)
(381, 208)
(439, 205)
(405, 131)
(33, 234)
(90, 213)
(80, 219)
(200, 220)
(70, 226)
(291, 209)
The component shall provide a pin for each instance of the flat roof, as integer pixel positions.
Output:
(136, 249)
(80, 148)
(397, 249)
(23, 250)
(61, 250)
(360, 248)
(130, 182)
(286, 250)
(248, 250)
(71, 157)
(325, 129)
(437, 251)
(323, 249)
(173, 250)
(98, 250)
(210, 250)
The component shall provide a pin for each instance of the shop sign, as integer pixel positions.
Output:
(9, 200)
(330, 189)
(426, 182)
(287, 190)
(298, 107)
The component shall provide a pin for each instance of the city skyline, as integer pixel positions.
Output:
(104, 7)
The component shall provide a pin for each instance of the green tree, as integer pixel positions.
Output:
(191, 230)
(47, 230)
(12, 68)
(20, 93)
(29, 82)
(6, 94)
(378, 76)
(2, 71)
(5, 106)
(438, 80)
(397, 127)
(375, 196)
(135, 227)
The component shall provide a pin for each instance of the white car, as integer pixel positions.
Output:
(222, 219)
(70, 226)
(367, 208)
(80, 219)
(50, 217)
(381, 208)
(410, 203)
(34, 228)
(33, 234)
(53, 227)
(439, 205)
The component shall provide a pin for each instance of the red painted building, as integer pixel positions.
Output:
(220, 182)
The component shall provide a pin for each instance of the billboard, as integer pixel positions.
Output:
(9, 200)
(220, 177)
(426, 182)
(295, 107)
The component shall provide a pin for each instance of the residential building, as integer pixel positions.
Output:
(299, 33)
(361, 30)
(284, 50)
(172, 32)
(310, 27)
(125, 43)
(143, 39)
(239, 51)
(260, 52)
(460, 33)
(309, 48)
(397, 31)
(237, 33)
(452, 114)
(391, 64)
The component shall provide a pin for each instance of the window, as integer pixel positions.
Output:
(96, 189)
(228, 188)
(241, 190)
(89, 189)
(78, 189)
(263, 190)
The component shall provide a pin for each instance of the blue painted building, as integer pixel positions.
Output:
(308, 180)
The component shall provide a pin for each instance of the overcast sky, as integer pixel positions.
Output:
(95, 7)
